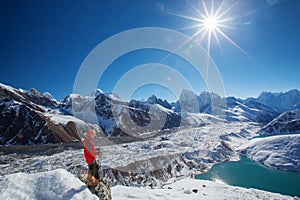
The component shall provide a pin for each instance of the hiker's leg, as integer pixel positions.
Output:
(91, 166)
(94, 167)
(96, 171)
(90, 175)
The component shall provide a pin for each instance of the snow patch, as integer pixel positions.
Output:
(57, 184)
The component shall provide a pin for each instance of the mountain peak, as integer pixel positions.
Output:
(98, 92)
(33, 92)
(152, 99)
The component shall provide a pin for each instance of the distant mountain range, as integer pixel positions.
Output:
(31, 117)
(280, 102)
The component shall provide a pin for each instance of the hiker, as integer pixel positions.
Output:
(90, 154)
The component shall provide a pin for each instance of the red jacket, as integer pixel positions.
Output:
(90, 152)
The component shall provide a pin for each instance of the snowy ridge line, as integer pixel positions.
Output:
(96, 111)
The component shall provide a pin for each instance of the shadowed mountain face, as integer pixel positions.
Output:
(20, 124)
(24, 120)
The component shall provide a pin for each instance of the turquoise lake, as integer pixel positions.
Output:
(250, 174)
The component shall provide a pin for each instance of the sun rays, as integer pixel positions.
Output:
(211, 22)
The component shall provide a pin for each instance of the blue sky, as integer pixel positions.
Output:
(43, 43)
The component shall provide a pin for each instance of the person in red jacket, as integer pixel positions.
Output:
(90, 154)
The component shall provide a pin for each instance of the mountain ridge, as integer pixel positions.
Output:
(44, 117)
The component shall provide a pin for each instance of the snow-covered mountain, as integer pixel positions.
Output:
(281, 102)
(248, 110)
(30, 117)
(120, 118)
(229, 108)
(154, 100)
(286, 123)
(278, 144)
(262, 109)
(280, 151)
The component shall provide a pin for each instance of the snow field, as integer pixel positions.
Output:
(60, 184)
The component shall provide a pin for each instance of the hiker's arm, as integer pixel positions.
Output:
(99, 153)
(88, 146)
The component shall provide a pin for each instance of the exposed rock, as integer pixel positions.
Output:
(286, 123)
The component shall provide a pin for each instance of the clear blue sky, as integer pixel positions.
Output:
(43, 43)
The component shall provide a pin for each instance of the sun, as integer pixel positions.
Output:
(211, 22)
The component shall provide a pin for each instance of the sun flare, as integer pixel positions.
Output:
(211, 21)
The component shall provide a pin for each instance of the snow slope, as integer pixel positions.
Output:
(57, 184)
(193, 189)
(286, 123)
(60, 184)
(281, 151)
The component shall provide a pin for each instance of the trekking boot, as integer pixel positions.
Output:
(95, 182)
(90, 179)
